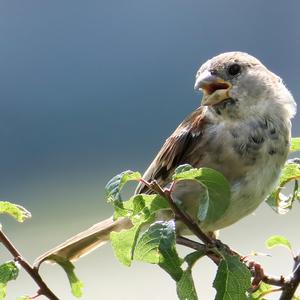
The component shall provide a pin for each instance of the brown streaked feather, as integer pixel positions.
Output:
(176, 150)
(86, 241)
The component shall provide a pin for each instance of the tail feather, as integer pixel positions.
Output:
(85, 242)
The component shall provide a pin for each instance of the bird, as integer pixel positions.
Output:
(242, 129)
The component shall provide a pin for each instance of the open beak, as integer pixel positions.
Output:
(215, 89)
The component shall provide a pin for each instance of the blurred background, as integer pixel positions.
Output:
(92, 88)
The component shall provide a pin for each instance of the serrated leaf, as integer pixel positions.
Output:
(123, 243)
(295, 144)
(214, 199)
(157, 246)
(233, 279)
(115, 185)
(278, 240)
(185, 287)
(277, 200)
(14, 210)
(75, 283)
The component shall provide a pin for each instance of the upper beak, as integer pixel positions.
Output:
(214, 89)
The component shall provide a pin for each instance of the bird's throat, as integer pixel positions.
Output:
(228, 108)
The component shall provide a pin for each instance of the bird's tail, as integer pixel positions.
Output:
(84, 242)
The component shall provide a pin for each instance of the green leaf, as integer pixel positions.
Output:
(139, 207)
(264, 289)
(14, 210)
(185, 287)
(291, 171)
(192, 258)
(182, 168)
(123, 243)
(155, 203)
(157, 246)
(115, 185)
(277, 200)
(75, 283)
(278, 240)
(192, 198)
(2, 290)
(233, 279)
(8, 271)
(215, 197)
(295, 145)
(130, 207)
(23, 298)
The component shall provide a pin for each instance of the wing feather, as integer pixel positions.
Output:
(176, 150)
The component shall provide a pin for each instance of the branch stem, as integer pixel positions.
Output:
(292, 283)
(198, 247)
(43, 288)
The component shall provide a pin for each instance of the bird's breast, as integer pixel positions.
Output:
(250, 154)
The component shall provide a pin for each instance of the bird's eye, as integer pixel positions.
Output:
(234, 69)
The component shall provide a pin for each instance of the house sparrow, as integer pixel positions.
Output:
(242, 129)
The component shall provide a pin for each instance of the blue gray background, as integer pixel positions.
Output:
(91, 88)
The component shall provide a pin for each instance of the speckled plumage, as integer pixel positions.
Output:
(242, 130)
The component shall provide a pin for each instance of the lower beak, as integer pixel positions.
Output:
(215, 89)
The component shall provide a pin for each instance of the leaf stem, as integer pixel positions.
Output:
(43, 288)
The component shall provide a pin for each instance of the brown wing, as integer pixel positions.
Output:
(180, 148)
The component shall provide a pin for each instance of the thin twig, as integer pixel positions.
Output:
(199, 247)
(181, 240)
(272, 280)
(43, 288)
(292, 283)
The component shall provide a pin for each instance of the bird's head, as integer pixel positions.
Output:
(236, 84)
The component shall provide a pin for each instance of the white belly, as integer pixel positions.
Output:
(253, 172)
